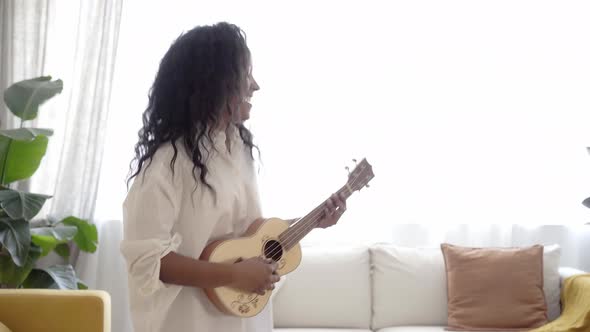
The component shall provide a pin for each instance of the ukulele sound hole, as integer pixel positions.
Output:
(273, 250)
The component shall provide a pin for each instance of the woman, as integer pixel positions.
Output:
(194, 182)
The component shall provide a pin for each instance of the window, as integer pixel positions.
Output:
(479, 118)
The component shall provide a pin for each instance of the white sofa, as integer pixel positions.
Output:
(382, 288)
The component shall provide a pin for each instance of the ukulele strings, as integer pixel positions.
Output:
(307, 225)
(291, 237)
(310, 223)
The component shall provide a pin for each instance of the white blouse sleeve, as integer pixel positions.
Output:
(149, 213)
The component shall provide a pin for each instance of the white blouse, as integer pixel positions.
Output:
(163, 212)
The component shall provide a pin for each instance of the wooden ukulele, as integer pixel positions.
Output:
(271, 238)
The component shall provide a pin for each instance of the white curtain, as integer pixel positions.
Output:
(23, 40)
(82, 50)
(23, 37)
(77, 42)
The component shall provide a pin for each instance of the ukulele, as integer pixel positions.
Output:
(271, 238)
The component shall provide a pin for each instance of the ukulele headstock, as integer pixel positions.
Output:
(360, 175)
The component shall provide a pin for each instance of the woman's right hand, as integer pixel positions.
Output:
(255, 275)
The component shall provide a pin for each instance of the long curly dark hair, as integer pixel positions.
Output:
(198, 75)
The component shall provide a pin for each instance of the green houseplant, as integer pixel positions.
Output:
(23, 241)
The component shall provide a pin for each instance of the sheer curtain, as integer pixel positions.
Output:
(81, 50)
(23, 37)
(77, 43)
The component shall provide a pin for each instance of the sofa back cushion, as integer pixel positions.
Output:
(331, 288)
(409, 286)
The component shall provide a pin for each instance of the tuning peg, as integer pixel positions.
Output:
(354, 160)
(368, 186)
(347, 169)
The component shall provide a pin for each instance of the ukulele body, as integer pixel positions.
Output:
(260, 240)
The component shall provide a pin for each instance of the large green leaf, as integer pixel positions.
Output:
(20, 159)
(63, 275)
(14, 275)
(21, 205)
(87, 237)
(63, 249)
(15, 236)
(38, 278)
(25, 134)
(56, 276)
(48, 238)
(60, 232)
(23, 98)
(82, 285)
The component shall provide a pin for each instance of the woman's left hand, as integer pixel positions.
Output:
(335, 207)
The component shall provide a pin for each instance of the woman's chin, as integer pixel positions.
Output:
(242, 118)
(245, 117)
(245, 111)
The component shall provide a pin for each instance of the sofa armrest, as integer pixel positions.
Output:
(575, 297)
(39, 310)
(566, 272)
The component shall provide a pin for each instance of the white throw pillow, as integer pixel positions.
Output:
(331, 288)
(409, 285)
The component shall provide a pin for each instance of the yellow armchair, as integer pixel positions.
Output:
(47, 310)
